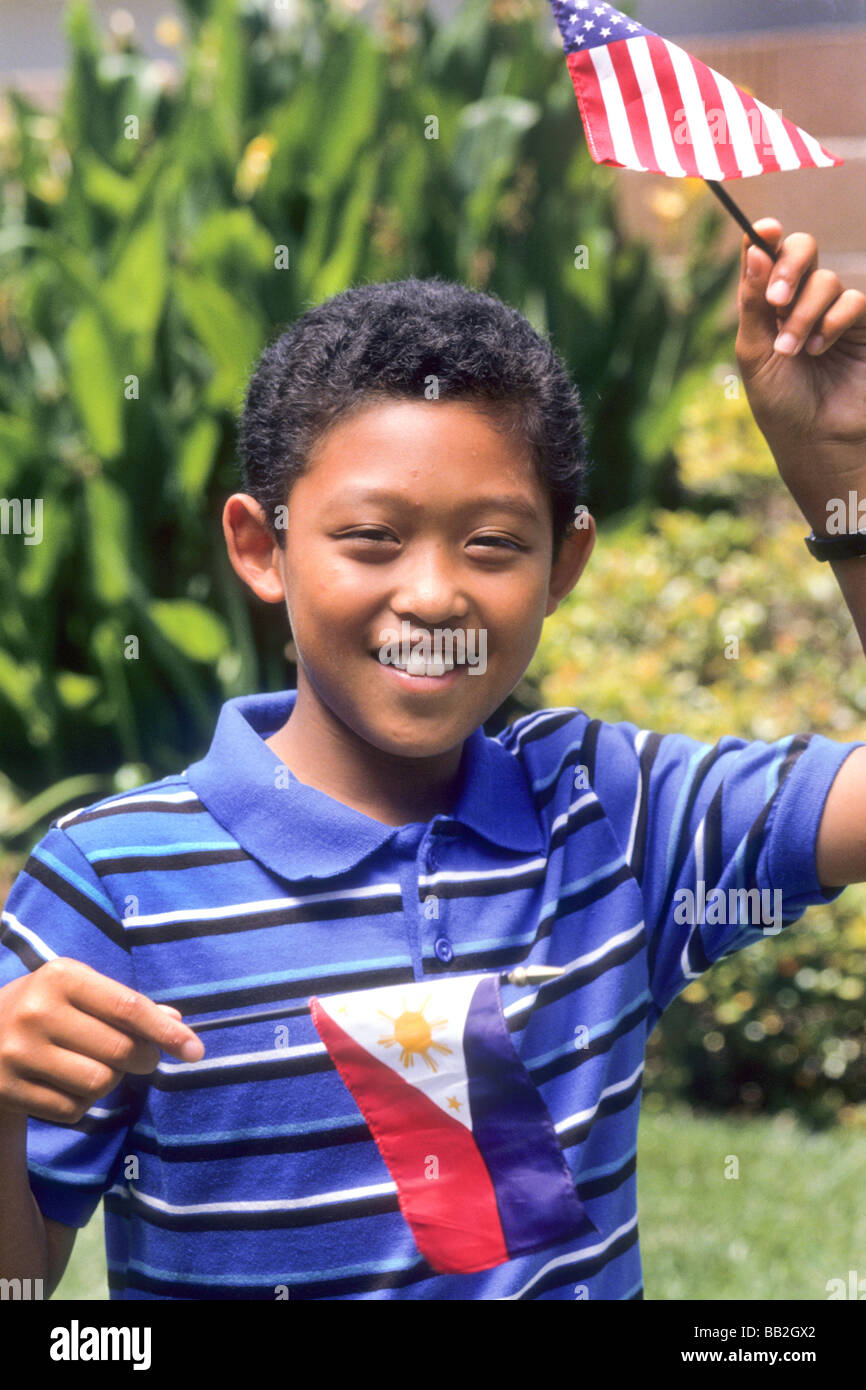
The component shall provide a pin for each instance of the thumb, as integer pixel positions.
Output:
(758, 320)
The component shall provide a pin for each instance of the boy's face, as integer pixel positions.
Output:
(418, 513)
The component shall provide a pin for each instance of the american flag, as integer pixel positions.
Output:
(648, 105)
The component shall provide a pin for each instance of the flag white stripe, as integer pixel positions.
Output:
(656, 115)
(737, 125)
(693, 104)
(821, 159)
(617, 119)
(781, 140)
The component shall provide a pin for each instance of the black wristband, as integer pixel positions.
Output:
(836, 547)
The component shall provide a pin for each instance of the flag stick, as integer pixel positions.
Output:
(739, 216)
(521, 976)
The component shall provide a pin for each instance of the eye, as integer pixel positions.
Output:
(369, 533)
(497, 542)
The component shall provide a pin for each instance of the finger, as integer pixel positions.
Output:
(818, 293)
(44, 1103)
(797, 259)
(123, 1008)
(757, 319)
(88, 1036)
(70, 1074)
(769, 229)
(848, 310)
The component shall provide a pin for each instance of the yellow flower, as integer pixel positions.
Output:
(169, 31)
(255, 165)
(668, 204)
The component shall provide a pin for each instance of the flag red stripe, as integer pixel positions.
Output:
(718, 125)
(801, 149)
(760, 134)
(674, 104)
(587, 89)
(636, 111)
(453, 1215)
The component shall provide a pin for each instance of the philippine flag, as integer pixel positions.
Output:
(466, 1137)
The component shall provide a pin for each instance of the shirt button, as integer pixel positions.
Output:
(444, 950)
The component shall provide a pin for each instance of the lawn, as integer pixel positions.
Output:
(793, 1219)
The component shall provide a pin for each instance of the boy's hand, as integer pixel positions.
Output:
(68, 1035)
(801, 347)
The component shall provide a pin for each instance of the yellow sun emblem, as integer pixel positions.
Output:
(414, 1033)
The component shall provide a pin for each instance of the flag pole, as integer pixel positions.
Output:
(739, 216)
(521, 976)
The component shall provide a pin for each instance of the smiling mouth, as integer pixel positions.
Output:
(417, 666)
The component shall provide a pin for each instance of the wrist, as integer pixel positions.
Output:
(832, 499)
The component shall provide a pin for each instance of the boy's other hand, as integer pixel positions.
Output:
(801, 348)
(68, 1035)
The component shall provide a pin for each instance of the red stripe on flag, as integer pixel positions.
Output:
(760, 134)
(635, 110)
(801, 149)
(718, 126)
(453, 1216)
(674, 105)
(587, 89)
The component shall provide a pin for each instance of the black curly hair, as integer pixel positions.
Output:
(390, 341)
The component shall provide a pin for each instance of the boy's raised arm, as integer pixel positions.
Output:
(801, 347)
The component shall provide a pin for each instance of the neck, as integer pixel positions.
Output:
(324, 753)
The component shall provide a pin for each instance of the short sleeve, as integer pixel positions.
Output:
(721, 839)
(57, 907)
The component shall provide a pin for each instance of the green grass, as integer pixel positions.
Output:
(85, 1275)
(792, 1220)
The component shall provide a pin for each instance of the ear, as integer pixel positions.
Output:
(254, 553)
(574, 551)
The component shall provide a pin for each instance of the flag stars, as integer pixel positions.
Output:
(632, 27)
(589, 24)
(605, 33)
(454, 1102)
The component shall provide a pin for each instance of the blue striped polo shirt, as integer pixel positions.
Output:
(233, 890)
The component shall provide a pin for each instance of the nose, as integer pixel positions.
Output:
(429, 590)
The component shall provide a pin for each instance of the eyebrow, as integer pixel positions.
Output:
(500, 502)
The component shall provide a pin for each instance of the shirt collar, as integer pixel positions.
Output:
(300, 832)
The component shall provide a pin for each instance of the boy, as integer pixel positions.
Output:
(364, 831)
